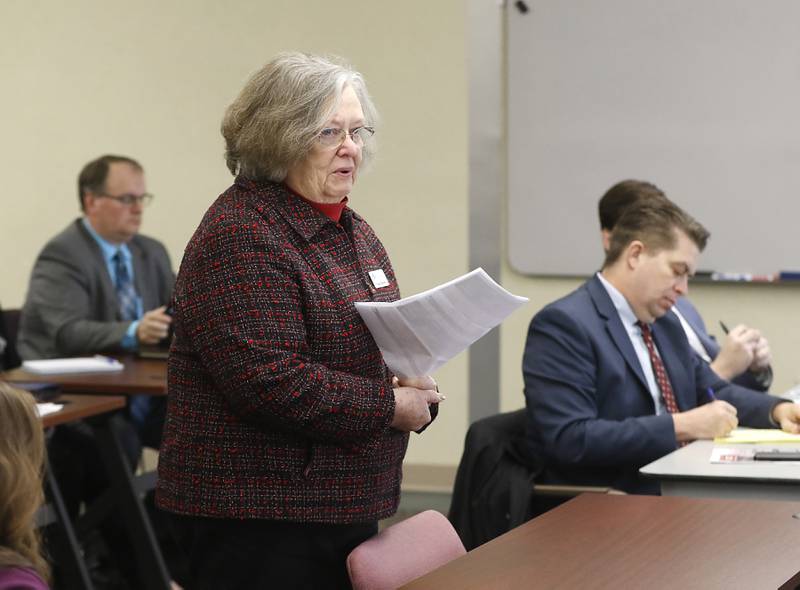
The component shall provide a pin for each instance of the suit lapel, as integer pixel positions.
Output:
(605, 308)
(667, 333)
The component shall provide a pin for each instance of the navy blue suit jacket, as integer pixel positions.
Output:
(758, 381)
(591, 418)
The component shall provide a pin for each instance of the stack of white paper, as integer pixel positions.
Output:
(96, 364)
(48, 408)
(419, 334)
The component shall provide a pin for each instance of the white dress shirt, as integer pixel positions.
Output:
(691, 335)
(634, 332)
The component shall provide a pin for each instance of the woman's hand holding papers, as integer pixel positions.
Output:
(411, 399)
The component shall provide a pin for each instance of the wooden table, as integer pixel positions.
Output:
(78, 407)
(602, 541)
(688, 472)
(138, 376)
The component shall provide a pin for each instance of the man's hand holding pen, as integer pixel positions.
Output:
(743, 349)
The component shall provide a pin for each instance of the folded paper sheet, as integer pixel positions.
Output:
(48, 408)
(419, 334)
(95, 364)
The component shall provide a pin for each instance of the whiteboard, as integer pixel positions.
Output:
(700, 97)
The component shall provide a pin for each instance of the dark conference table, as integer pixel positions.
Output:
(139, 376)
(605, 541)
(78, 407)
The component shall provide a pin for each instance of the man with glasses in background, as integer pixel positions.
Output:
(100, 287)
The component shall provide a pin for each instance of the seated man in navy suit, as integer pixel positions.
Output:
(611, 382)
(744, 356)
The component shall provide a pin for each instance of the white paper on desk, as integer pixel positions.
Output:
(732, 454)
(48, 408)
(96, 364)
(419, 334)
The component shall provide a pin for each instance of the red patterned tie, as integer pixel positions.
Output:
(658, 369)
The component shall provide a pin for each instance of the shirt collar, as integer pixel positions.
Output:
(299, 214)
(624, 308)
(107, 248)
(332, 211)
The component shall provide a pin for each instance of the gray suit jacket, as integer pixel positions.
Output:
(71, 307)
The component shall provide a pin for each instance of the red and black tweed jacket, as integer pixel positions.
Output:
(279, 400)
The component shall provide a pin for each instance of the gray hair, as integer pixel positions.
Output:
(279, 113)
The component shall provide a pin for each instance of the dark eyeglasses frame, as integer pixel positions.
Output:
(129, 200)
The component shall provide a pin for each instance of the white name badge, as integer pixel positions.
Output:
(378, 278)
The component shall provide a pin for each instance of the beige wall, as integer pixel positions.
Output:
(151, 79)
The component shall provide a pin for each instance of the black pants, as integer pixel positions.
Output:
(77, 464)
(75, 456)
(81, 474)
(151, 429)
(230, 554)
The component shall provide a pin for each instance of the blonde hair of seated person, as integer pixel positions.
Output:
(22, 454)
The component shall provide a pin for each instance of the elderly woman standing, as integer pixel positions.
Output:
(285, 430)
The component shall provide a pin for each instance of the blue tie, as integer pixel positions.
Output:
(126, 293)
(129, 311)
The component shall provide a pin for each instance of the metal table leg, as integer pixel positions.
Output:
(150, 563)
(66, 550)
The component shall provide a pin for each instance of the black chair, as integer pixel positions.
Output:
(495, 488)
(9, 328)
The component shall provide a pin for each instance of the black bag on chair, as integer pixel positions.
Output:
(494, 484)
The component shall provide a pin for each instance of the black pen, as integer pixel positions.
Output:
(723, 326)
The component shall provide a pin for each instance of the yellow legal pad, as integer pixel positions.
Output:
(757, 435)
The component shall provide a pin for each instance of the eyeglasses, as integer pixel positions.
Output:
(129, 200)
(333, 136)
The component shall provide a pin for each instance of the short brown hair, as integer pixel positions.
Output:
(620, 196)
(93, 176)
(278, 114)
(654, 223)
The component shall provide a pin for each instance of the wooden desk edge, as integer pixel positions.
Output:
(77, 407)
